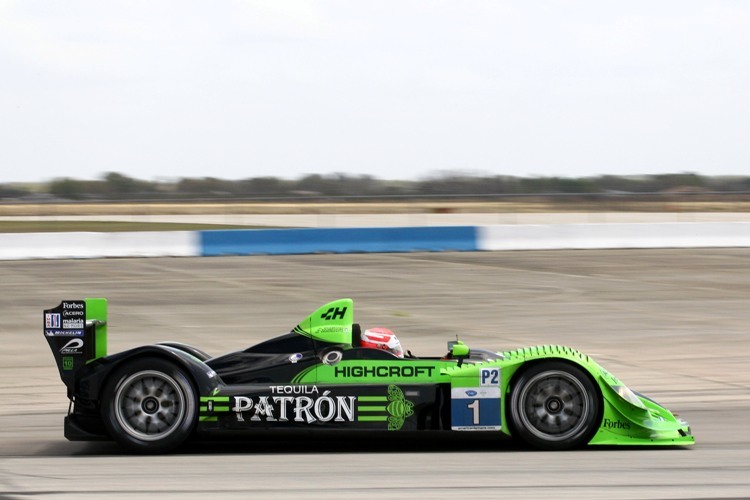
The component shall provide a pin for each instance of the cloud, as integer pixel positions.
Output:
(239, 88)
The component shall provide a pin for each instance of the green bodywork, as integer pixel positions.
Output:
(331, 323)
(96, 311)
(627, 418)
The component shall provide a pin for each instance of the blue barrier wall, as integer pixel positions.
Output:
(338, 240)
(15, 246)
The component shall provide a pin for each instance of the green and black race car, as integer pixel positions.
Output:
(318, 376)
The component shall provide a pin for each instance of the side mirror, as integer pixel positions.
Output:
(459, 351)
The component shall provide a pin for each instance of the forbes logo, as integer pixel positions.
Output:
(615, 424)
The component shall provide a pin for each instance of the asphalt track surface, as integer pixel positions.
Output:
(672, 324)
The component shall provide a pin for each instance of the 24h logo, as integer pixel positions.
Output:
(333, 313)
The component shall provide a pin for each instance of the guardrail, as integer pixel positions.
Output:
(77, 245)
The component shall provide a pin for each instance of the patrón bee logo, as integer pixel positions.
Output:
(399, 408)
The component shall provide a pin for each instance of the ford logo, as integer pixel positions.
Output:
(471, 394)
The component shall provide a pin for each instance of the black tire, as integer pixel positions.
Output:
(149, 406)
(555, 406)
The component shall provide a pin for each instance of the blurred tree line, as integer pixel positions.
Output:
(116, 186)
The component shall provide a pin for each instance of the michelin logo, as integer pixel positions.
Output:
(63, 333)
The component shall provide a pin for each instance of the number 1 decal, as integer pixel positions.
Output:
(480, 411)
(476, 407)
(475, 410)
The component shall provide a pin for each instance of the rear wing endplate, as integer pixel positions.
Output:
(76, 331)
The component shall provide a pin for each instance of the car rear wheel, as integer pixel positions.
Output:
(555, 406)
(149, 406)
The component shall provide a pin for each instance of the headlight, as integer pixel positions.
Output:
(625, 393)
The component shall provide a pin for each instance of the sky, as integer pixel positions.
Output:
(161, 90)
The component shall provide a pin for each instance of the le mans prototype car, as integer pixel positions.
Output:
(318, 376)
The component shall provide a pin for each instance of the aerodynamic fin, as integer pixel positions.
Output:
(330, 323)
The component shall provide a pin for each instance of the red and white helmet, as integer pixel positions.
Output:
(382, 338)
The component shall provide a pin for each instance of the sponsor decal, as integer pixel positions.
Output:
(393, 409)
(475, 408)
(67, 363)
(475, 392)
(73, 310)
(306, 409)
(398, 407)
(295, 357)
(52, 320)
(383, 371)
(332, 329)
(74, 346)
(333, 313)
(615, 424)
(294, 389)
(67, 320)
(63, 333)
(308, 405)
(73, 324)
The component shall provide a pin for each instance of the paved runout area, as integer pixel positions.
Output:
(672, 324)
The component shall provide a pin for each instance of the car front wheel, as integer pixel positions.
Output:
(555, 406)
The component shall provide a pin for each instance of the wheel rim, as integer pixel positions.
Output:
(554, 406)
(150, 405)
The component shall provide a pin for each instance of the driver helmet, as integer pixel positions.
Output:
(382, 338)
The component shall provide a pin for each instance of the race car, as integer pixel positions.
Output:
(327, 374)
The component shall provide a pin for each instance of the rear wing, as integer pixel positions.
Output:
(76, 331)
